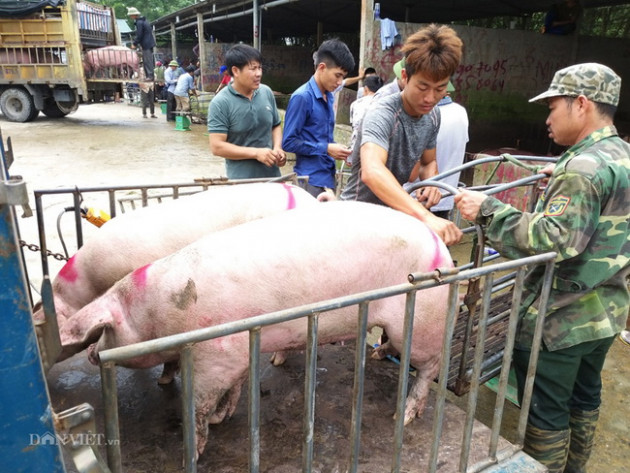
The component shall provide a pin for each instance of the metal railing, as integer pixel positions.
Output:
(185, 342)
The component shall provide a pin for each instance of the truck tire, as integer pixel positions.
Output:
(53, 110)
(17, 105)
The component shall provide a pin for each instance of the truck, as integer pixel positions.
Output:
(56, 54)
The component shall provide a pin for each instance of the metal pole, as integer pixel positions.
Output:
(256, 33)
(453, 311)
(309, 393)
(110, 409)
(359, 385)
(403, 379)
(254, 400)
(188, 409)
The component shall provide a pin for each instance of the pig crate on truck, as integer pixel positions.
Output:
(42, 50)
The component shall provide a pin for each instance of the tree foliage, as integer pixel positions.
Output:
(151, 9)
(609, 22)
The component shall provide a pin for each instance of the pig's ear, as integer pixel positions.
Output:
(76, 337)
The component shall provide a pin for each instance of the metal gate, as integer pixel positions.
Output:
(475, 371)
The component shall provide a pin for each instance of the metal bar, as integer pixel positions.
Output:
(39, 211)
(438, 420)
(474, 385)
(254, 400)
(77, 218)
(112, 202)
(403, 379)
(309, 393)
(536, 343)
(199, 335)
(517, 183)
(188, 409)
(507, 361)
(358, 388)
(110, 411)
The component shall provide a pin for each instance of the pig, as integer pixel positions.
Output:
(286, 260)
(11, 56)
(136, 238)
(112, 62)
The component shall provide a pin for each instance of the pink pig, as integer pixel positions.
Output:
(114, 62)
(286, 260)
(136, 238)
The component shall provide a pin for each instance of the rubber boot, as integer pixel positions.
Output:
(582, 424)
(549, 447)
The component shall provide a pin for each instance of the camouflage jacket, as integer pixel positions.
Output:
(583, 215)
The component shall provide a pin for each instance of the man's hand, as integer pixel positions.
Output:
(266, 156)
(133, 46)
(338, 151)
(428, 196)
(468, 203)
(281, 156)
(445, 229)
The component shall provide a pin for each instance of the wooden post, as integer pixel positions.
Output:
(202, 49)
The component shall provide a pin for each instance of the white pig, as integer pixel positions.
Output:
(136, 238)
(286, 260)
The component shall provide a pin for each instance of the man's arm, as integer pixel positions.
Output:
(425, 169)
(294, 140)
(353, 80)
(380, 180)
(276, 140)
(572, 203)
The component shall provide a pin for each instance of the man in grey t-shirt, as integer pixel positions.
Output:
(398, 135)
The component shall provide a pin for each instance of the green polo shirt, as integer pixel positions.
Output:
(246, 123)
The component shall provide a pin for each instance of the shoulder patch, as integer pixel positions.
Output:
(557, 206)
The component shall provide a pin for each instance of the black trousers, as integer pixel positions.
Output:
(170, 106)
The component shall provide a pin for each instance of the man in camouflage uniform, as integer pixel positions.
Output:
(583, 216)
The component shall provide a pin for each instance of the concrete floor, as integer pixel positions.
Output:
(111, 144)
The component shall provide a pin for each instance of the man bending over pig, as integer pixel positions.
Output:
(402, 127)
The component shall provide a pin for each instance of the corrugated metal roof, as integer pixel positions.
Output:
(231, 20)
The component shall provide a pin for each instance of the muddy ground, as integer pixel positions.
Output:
(112, 145)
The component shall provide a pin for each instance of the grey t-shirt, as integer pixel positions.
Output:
(405, 138)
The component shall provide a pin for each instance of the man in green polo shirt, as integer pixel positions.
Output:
(243, 120)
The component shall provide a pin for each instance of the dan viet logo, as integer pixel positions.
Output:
(83, 438)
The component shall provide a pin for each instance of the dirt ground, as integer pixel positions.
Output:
(111, 144)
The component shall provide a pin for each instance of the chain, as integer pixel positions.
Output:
(35, 248)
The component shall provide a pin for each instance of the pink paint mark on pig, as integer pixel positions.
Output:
(437, 255)
(139, 276)
(291, 204)
(69, 272)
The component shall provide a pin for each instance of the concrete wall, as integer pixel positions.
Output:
(502, 69)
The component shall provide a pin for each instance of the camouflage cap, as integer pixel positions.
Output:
(596, 82)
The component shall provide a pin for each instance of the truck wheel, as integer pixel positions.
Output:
(17, 105)
(53, 110)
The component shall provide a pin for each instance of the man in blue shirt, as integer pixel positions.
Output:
(170, 81)
(309, 121)
(185, 84)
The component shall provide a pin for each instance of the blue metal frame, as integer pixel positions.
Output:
(27, 436)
